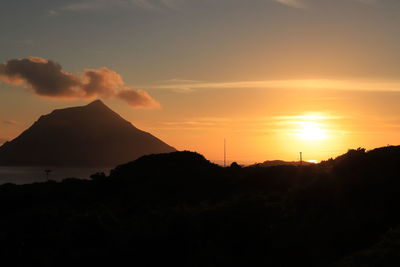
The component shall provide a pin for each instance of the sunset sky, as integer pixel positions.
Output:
(273, 77)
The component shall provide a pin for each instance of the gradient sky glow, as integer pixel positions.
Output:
(260, 73)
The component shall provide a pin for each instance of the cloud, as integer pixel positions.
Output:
(44, 77)
(47, 78)
(302, 4)
(94, 5)
(367, 1)
(91, 5)
(9, 122)
(138, 98)
(28, 43)
(83, 6)
(143, 4)
(101, 82)
(52, 13)
(258, 124)
(295, 84)
(292, 3)
(172, 4)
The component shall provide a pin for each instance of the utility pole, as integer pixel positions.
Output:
(47, 174)
(301, 158)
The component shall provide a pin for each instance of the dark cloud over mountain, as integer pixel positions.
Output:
(47, 78)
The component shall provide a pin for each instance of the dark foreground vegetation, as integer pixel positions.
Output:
(179, 209)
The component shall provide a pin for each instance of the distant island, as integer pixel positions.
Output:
(87, 136)
(271, 163)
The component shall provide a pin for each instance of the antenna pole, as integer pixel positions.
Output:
(224, 152)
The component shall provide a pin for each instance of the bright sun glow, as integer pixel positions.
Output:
(317, 135)
(310, 127)
(311, 131)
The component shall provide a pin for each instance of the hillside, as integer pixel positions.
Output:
(181, 209)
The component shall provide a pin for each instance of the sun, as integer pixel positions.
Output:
(311, 130)
(317, 135)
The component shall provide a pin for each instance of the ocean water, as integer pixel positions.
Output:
(27, 175)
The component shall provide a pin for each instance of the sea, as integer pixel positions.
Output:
(28, 175)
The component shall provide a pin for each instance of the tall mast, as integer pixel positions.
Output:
(224, 152)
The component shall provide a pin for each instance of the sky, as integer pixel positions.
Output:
(272, 77)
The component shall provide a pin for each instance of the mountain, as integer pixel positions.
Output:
(91, 135)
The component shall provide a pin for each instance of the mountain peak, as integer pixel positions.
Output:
(96, 103)
(91, 135)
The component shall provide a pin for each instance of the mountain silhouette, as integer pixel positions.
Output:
(91, 135)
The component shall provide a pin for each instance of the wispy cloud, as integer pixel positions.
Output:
(28, 43)
(302, 3)
(259, 125)
(95, 5)
(9, 122)
(303, 84)
(85, 5)
(307, 117)
(292, 3)
(172, 4)
(367, 1)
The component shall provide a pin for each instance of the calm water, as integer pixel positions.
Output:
(26, 175)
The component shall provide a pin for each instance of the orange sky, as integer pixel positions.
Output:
(259, 124)
(272, 77)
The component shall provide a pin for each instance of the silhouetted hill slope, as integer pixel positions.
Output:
(176, 163)
(91, 135)
(386, 252)
(179, 209)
